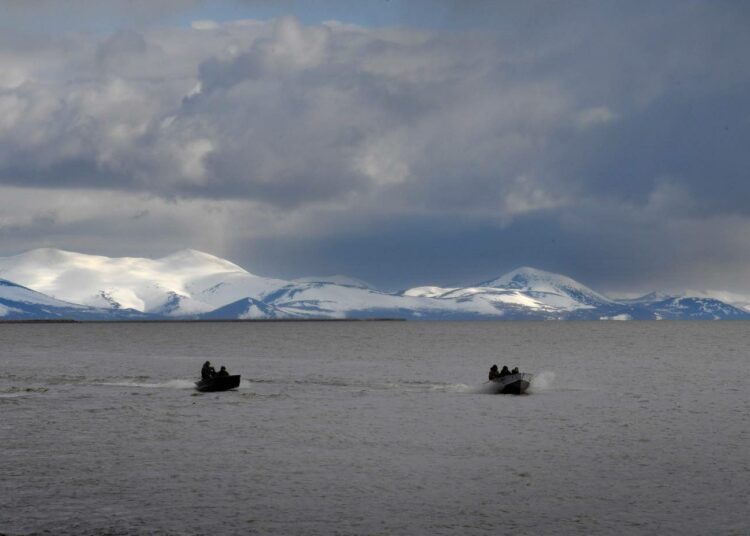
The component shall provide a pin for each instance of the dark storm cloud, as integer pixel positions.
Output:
(627, 251)
(691, 141)
(606, 140)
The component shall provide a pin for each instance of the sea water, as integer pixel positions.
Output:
(375, 428)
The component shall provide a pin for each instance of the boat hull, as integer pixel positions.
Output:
(218, 383)
(513, 384)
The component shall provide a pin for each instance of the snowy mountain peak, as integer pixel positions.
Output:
(527, 278)
(193, 257)
(538, 283)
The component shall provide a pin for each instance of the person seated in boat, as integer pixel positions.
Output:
(514, 371)
(207, 371)
(222, 371)
(505, 371)
(494, 373)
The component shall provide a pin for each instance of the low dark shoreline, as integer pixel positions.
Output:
(188, 321)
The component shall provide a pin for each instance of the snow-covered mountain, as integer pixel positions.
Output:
(522, 293)
(20, 303)
(330, 300)
(51, 283)
(670, 307)
(245, 309)
(554, 289)
(185, 283)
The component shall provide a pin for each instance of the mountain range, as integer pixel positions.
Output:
(50, 283)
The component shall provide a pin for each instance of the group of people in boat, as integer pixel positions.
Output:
(495, 374)
(208, 371)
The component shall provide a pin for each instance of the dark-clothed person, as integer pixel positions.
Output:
(207, 371)
(494, 374)
(505, 371)
(223, 371)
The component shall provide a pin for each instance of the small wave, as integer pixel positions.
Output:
(169, 384)
(65, 379)
(420, 382)
(246, 395)
(328, 382)
(396, 385)
(364, 385)
(14, 392)
(486, 388)
(452, 388)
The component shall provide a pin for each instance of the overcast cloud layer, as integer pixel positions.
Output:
(606, 141)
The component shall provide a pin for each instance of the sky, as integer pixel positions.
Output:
(400, 142)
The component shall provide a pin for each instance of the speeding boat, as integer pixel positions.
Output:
(512, 384)
(218, 383)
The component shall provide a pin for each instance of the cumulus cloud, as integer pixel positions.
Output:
(523, 119)
(278, 112)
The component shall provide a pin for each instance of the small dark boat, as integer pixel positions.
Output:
(513, 384)
(218, 383)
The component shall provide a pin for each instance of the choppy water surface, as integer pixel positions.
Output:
(375, 428)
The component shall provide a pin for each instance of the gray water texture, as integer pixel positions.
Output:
(375, 428)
